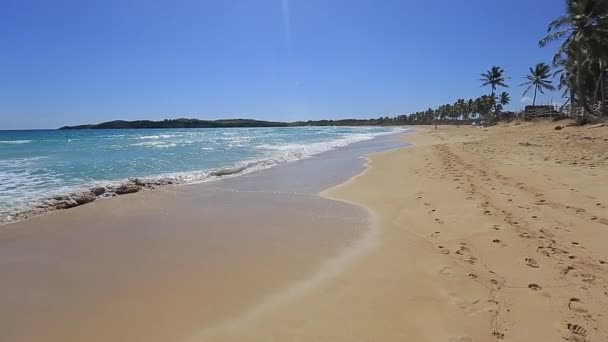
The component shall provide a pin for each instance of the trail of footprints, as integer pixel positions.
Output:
(572, 266)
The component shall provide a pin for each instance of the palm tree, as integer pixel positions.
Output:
(501, 101)
(494, 78)
(539, 78)
(504, 99)
(470, 108)
(484, 106)
(583, 31)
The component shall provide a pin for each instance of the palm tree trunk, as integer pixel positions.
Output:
(579, 84)
(535, 90)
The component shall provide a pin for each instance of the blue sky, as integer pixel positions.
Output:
(72, 62)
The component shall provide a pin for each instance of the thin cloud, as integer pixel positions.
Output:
(526, 100)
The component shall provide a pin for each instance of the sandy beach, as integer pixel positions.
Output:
(471, 234)
(492, 234)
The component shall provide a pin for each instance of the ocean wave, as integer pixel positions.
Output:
(15, 141)
(156, 144)
(159, 136)
(277, 155)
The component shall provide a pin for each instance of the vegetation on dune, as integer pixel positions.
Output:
(582, 57)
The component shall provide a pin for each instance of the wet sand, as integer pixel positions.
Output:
(174, 264)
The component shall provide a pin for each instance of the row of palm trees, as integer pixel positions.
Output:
(487, 107)
(461, 110)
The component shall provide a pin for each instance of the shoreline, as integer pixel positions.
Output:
(330, 268)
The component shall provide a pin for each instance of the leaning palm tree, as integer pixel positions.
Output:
(540, 79)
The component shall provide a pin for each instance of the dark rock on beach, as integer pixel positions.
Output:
(84, 198)
(98, 191)
(127, 189)
(71, 201)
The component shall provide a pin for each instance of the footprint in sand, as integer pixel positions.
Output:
(443, 250)
(577, 306)
(579, 334)
(439, 221)
(532, 263)
(567, 270)
(534, 287)
(435, 234)
(498, 335)
(463, 249)
(472, 275)
(471, 260)
(588, 278)
(499, 242)
(447, 272)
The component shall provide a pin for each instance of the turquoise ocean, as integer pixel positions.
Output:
(36, 165)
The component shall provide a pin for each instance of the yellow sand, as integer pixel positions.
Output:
(496, 234)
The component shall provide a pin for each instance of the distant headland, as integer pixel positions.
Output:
(196, 123)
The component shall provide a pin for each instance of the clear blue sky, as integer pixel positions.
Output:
(73, 62)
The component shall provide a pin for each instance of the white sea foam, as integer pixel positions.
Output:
(156, 144)
(159, 136)
(277, 154)
(14, 142)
